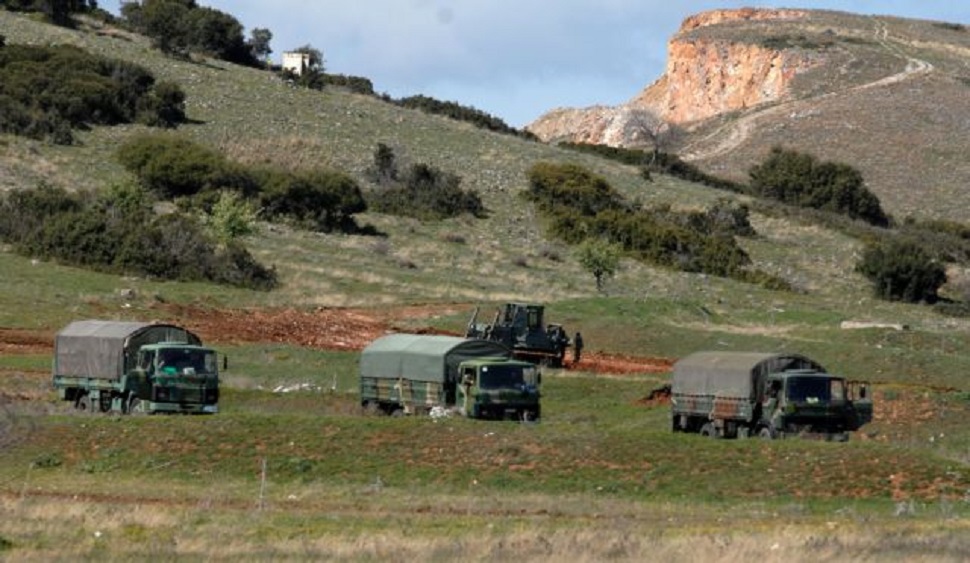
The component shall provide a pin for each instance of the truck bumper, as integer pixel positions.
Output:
(182, 408)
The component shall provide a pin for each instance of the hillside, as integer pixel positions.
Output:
(882, 94)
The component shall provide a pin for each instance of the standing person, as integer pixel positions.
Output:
(577, 348)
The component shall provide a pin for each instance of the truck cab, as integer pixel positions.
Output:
(173, 377)
(812, 402)
(499, 388)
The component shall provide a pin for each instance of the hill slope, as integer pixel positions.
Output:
(885, 95)
(255, 117)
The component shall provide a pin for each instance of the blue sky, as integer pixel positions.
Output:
(513, 59)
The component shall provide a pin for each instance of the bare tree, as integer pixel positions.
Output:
(645, 128)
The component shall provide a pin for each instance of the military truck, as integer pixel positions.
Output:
(741, 394)
(520, 327)
(132, 367)
(414, 373)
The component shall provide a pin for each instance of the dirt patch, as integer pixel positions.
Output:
(328, 328)
(599, 362)
(16, 341)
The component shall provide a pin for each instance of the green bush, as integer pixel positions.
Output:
(800, 179)
(173, 168)
(557, 188)
(117, 231)
(321, 199)
(579, 206)
(902, 269)
(423, 191)
(45, 92)
(180, 26)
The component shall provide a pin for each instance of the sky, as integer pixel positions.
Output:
(513, 59)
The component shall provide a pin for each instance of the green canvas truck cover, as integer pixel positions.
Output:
(95, 348)
(424, 357)
(732, 374)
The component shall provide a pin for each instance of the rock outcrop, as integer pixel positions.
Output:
(705, 76)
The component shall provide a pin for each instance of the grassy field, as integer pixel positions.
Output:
(291, 469)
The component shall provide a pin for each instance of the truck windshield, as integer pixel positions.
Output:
(500, 377)
(186, 361)
(815, 389)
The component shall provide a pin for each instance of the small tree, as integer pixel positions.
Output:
(599, 258)
(259, 39)
(232, 217)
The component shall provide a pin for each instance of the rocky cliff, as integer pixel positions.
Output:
(706, 75)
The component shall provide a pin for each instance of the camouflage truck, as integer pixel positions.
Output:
(521, 328)
(130, 367)
(414, 373)
(741, 394)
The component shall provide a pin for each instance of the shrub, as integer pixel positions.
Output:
(902, 270)
(322, 199)
(47, 91)
(171, 167)
(558, 188)
(117, 231)
(423, 191)
(800, 179)
(179, 26)
(231, 217)
(580, 206)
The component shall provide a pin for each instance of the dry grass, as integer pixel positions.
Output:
(44, 529)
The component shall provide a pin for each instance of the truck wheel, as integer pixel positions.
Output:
(84, 403)
(767, 433)
(708, 430)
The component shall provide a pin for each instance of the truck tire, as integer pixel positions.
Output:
(709, 430)
(767, 433)
(84, 403)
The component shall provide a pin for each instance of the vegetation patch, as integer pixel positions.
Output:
(422, 191)
(118, 231)
(174, 168)
(580, 205)
(46, 92)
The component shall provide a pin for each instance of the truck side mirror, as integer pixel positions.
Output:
(225, 363)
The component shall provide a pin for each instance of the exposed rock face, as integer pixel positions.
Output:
(705, 76)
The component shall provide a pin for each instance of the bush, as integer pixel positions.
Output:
(45, 92)
(902, 270)
(321, 199)
(172, 167)
(580, 206)
(801, 180)
(180, 26)
(118, 232)
(423, 191)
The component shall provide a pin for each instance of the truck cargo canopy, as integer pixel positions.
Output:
(732, 374)
(95, 348)
(423, 357)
